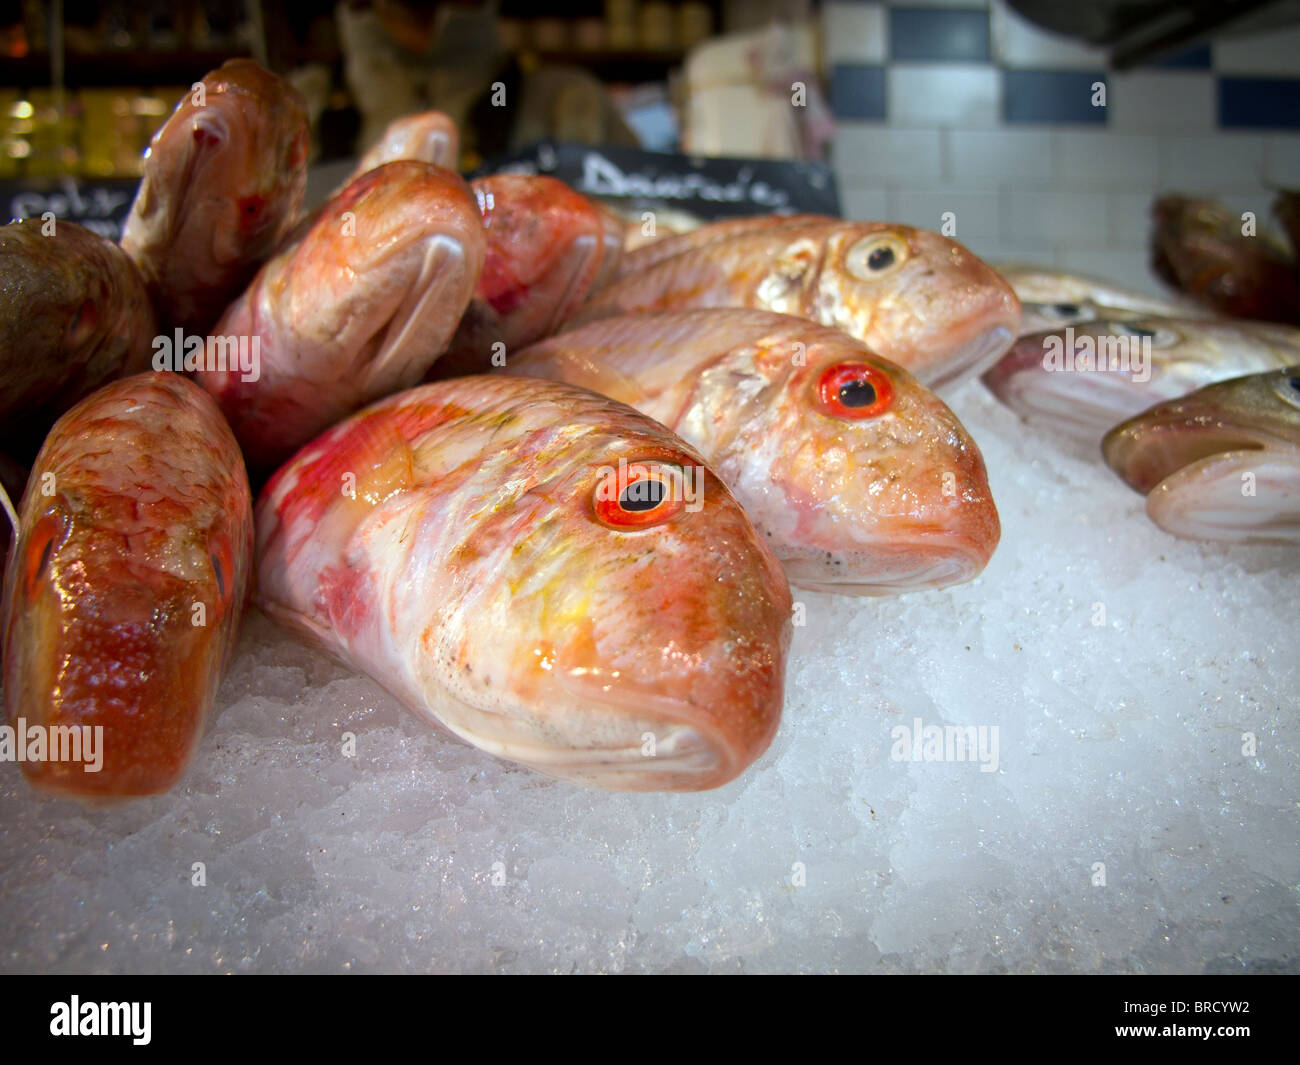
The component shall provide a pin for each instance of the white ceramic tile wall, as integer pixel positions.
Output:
(1077, 197)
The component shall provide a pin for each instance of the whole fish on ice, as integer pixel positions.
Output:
(912, 296)
(223, 183)
(357, 307)
(74, 314)
(123, 594)
(1082, 379)
(547, 248)
(1222, 463)
(552, 576)
(861, 480)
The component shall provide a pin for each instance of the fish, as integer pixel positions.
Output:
(1222, 463)
(912, 296)
(123, 594)
(547, 247)
(551, 576)
(359, 307)
(223, 184)
(1198, 247)
(428, 136)
(1050, 299)
(859, 478)
(74, 315)
(1082, 379)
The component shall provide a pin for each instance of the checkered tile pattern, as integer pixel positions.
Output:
(1042, 152)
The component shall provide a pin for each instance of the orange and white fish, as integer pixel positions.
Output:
(860, 479)
(123, 594)
(552, 576)
(223, 183)
(912, 296)
(547, 248)
(358, 307)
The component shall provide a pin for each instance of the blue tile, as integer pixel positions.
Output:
(1196, 58)
(1051, 96)
(1259, 103)
(938, 33)
(857, 91)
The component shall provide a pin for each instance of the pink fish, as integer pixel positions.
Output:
(912, 296)
(223, 183)
(860, 479)
(358, 307)
(552, 576)
(547, 248)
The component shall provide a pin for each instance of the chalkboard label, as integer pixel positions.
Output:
(99, 205)
(709, 188)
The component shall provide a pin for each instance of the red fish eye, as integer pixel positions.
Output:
(46, 535)
(639, 494)
(855, 390)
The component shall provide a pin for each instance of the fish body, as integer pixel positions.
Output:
(1051, 300)
(123, 594)
(646, 255)
(429, 137)
(547, 247)
(1198, 247)
(223, 183)
(1222, 463)
(881, 494)
(1082, 379)
(355, 309)
(74, 314)
(912, 296)
(485, 570)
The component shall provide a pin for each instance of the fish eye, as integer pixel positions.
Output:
(1289, 391)
(875, 256)
(638, 495)
(1067, 310)
(854, 390)
(1160, 336)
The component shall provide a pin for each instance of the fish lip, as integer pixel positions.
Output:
(1137, 449)
(934, 560)
(976, 355)
(699, 756)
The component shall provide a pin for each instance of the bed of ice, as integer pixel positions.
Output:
(1124, 828)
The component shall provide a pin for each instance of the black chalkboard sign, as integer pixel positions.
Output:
(99, 204)
(707, 188)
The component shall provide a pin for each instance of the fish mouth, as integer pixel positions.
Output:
(974, 356)
(1080, 404)
(1192, 463)
(920, 562)
(686, 753)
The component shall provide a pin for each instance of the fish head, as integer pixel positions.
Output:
(1083, 378)
(545, 247)
(231, 166)
(429, 136)
(917, 298)
(602, 609)
(117, 614)
(865, 478)
(1222, 463)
